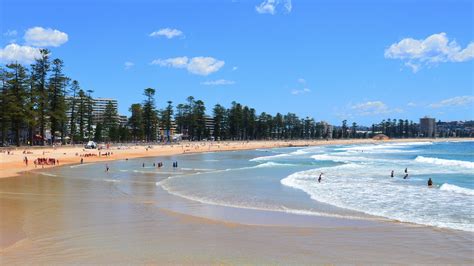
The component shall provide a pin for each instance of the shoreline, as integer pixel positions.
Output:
(27, 231)
(13, 165)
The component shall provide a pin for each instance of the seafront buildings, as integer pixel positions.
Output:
(428, 127)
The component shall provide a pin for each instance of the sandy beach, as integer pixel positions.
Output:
(51, 220)
(12, 164)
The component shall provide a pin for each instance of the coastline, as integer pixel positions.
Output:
(12, 165)
(58, 227)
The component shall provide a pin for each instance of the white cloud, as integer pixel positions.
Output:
(271, 6)
(176, 62)
(38, 36)
(302, 80)
(167, 32)
(411, 104)
(435, 49)
(17, 53)
(218, 82)
(455, 101)
(373, 108)
(10, 33)
(302, 91)
(204, 65)
(234, 68)
(128, 65)
(197, 65)
(288, 6)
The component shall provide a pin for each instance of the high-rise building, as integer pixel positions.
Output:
(98, 108)
(428, 127)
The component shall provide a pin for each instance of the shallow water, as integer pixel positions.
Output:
(356, 182)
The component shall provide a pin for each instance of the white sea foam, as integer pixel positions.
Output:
(444, 162)
(456, 189)
(360, 188)
(271, 164)
(269, 158)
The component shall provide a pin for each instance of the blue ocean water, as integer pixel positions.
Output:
(356, 182)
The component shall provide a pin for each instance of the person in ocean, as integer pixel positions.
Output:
(107, 168)
(406, 176)
(430, 182)
(143, 165)
(406, 170)
(391, 175)
(320, 178)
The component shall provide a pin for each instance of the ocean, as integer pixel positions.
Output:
(356, 180)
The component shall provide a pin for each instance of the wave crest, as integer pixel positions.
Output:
(445, 162)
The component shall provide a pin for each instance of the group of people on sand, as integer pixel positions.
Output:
(43, 161)
(107, 154)
(88, 155)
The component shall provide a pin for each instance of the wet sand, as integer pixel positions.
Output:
(48, 219)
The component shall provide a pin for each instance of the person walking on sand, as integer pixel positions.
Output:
(82, 160)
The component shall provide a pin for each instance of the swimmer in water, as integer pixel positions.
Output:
(405, 177)
(406, 170)
(107, 168)
(430, 182)
(391, 175)
(320, 178)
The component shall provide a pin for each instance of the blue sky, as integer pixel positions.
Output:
(331, 60)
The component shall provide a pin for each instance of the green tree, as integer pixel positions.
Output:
(166, 119)
(219, 113)
(17, 97)
(150, 119)
(136, 121)
(110, 121)
(40, 73)
(74, 90)
(57, 101)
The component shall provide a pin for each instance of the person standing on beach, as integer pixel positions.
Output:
(82, 160)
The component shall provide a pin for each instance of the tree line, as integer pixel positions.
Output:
(39, 98)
